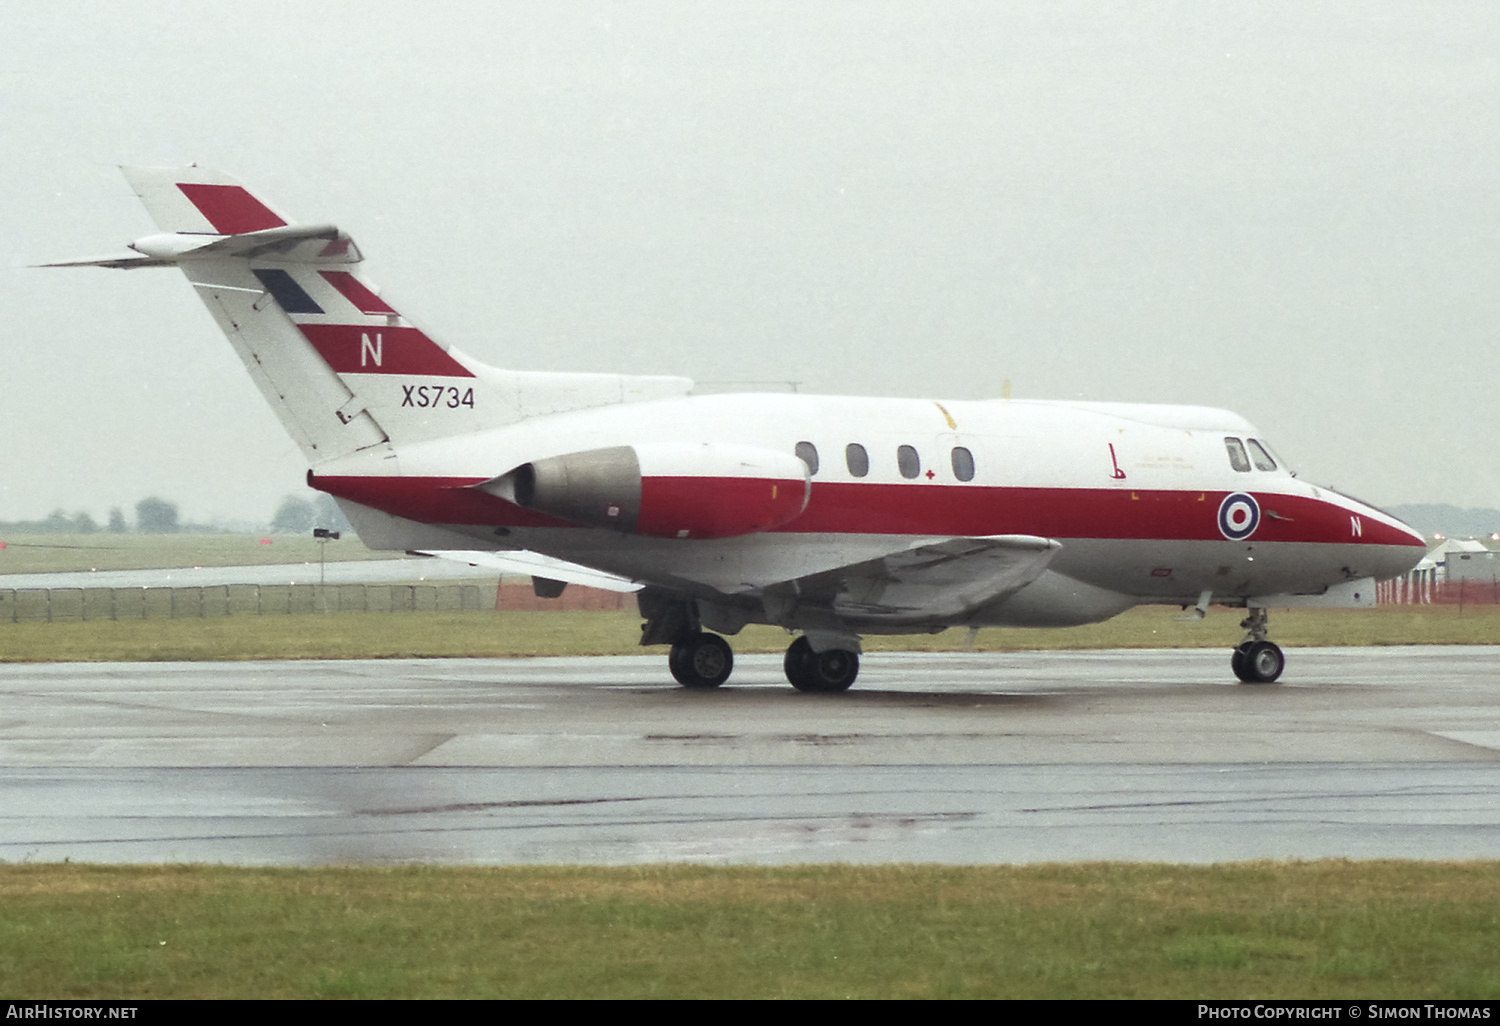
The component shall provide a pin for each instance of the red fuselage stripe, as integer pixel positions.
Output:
(927, 509)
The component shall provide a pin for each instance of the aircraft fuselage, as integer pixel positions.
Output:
(1135, 494)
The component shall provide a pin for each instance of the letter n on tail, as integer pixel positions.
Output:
(370, 351)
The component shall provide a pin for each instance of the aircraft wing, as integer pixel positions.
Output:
(522, 561)
(936, 580)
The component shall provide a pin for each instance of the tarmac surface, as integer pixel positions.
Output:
(956, 758)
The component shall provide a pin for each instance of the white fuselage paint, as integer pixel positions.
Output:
(1137, 488)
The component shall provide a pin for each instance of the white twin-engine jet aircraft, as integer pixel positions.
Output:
(830, 516)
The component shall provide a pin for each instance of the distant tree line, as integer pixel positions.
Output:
(299, 516)
(152, 516)
(155, 515)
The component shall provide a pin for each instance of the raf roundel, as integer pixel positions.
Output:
(1239, 514)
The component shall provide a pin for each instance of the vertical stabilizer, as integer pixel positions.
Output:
(341, 367)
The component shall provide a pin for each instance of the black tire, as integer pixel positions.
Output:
(1262, 663)
(835, 669)
(702, 661)
(1237, 660)
(798, 665)
(677, 660)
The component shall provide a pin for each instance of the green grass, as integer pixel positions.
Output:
(579, 633)
(1261, 930)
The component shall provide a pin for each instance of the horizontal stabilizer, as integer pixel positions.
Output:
(294, 244)
(123, 262)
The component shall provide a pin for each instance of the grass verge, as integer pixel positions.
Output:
(581, 633)
(1263, 930)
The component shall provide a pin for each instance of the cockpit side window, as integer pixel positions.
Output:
(1237, 458)
(1262, 458)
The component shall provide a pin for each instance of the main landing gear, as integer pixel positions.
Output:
(832, 669)
(702, 660)
(1256, 660)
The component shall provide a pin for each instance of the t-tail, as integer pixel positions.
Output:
(342, 368)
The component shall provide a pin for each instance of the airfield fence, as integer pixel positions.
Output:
(31, 605)
(1423, 592)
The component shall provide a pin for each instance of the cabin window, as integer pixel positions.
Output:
(1262, 458)
(857, 459)
(1237, 458)
(908, 462)
(808, 453)
(963, 464)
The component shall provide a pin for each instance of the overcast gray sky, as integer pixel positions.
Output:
(1287, 208)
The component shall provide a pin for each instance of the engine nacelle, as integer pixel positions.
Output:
(664, 490)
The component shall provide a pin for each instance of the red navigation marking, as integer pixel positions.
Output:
(377, 349)
(230, 208)
(1118, 475)
(354, 290)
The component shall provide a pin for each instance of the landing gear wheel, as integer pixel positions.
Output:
(1258, 662)
(836, 669)
(831, 670)
(798, 665)
(1237, 659)
(701, 661)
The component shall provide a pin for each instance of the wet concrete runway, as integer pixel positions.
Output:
(947, 758)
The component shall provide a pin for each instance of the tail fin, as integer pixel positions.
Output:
(344, 370)
(201, 201)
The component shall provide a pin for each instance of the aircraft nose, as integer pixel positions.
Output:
(1402, 553)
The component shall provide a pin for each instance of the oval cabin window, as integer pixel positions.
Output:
(808, 453)
(963, 463)
(857, 459)
(907, 460)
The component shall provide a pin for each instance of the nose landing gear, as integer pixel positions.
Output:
(1257, 660)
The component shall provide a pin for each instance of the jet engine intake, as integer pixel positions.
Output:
(664, 490)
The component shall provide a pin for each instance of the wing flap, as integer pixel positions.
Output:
(523, 561)
(938, 581)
